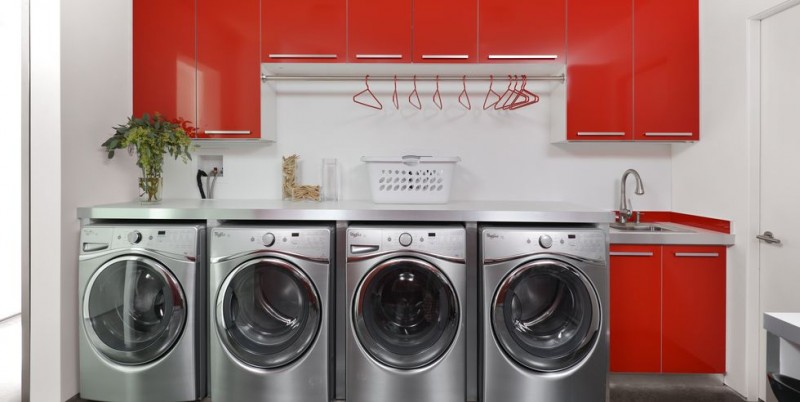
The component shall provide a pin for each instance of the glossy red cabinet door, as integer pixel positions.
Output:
(666, 70)
(635, 310)
(379, 31)
(599, 70)
(228, 69)
(694, 309)
(303, 30)
(522, 30)
(164, 58)
(445, 31)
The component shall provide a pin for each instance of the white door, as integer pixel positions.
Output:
(780, 166)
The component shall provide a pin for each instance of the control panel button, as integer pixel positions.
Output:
(134, 237)
(545, 241)
(405, 239)
(268, 239)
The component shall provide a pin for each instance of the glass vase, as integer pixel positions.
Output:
(150, 189)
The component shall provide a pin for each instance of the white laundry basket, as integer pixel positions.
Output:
(410, 179)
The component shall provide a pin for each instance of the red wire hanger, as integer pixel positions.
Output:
(467, 105)
(414, 94)
(371, 100)
(489, 93)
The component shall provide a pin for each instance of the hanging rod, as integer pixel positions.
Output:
(265, 77)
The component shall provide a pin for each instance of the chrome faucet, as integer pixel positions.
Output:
(625, 211)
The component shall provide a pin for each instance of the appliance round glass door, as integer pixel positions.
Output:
(134, 310)
(406, 313)
(268, 313)
(546, 315)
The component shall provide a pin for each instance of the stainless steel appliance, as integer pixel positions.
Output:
(406, 291)
(544, 314)
(269, 308)
(142, 303)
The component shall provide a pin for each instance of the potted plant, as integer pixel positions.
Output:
(152, 137)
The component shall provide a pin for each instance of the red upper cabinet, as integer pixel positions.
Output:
(228, 69)
(164, 58)
(635, 308)
(694, 309)
(599, 70)
(666, 70)
(379, 31)
(445, 31)
(303, 30)
(522, 30)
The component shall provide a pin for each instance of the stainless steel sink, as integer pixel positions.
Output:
(645, 227)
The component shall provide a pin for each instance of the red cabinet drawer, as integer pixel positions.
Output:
(445, 31)
(303, 30)
(666, 70)
(635, 308)
(599, 70)
(379, 32)
(228, 69)
(522, 30)
(694, 309)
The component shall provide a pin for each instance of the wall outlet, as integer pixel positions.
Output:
(208, 163)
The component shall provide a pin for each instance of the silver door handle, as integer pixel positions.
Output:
(769, 238)
(227, 132)
(301, 56)
(445, 56)
(712, 255)
(652, 134)
(600, 133)
(630, 254)
(379, 56)
(522, 57)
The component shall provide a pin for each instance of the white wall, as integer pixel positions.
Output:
(10, 160)
(505, 155)
(96, 93)
(711, 177)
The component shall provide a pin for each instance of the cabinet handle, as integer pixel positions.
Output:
(228, 132)
(601, 133)
(630, 254)
(379, 56)
(696, 254)
(522, 57)
(668, 134)
(445, 56)
(302, 56)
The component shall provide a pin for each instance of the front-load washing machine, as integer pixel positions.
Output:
(544, 314)
(142, 307)
(406, 292)
(269, 308)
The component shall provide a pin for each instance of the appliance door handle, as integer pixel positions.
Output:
(523, 57)
(709, 255)
(601, 133)
(631, 253)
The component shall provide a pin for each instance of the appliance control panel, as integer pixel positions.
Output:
(448, 241)
(181, 240)
(307, 242)
(498, 243)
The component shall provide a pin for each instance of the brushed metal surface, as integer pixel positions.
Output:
(444, 380)
(306, 379)
(505, 380)
(179, 375)
(679, 235)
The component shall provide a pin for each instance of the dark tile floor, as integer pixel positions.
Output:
(672, 393)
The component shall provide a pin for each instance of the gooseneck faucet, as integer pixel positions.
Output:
(625, 211)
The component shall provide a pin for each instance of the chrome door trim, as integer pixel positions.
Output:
(357, 258)
(492, 261)
(375, 350)
(266, 253)
(174, 329)
(503, 337)
(306, 339)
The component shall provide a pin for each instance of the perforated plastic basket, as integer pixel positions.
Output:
(410, 179)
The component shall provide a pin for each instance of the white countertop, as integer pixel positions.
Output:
(784, 325)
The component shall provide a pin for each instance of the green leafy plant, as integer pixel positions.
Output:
(152, 137)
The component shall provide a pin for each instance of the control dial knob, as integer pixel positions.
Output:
(545, 241)
(405, 239)
(134, 237)
(268, 239)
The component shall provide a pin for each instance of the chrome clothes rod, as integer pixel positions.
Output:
(265, 77)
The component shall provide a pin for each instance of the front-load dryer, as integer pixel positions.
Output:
(406, 293)
(269, 308)
(142, 307)
(544, 314)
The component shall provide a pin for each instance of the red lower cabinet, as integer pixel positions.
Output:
(694, 309)
(667, 309)
(635, 308)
